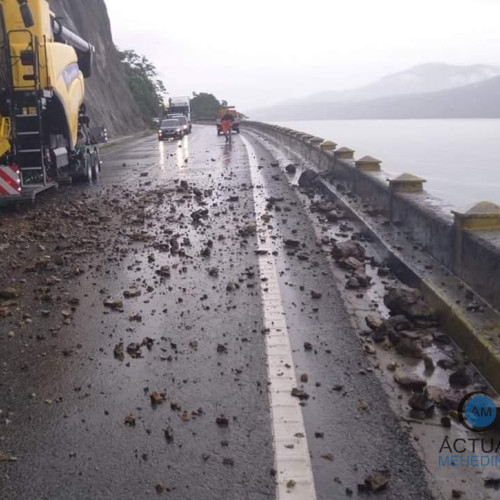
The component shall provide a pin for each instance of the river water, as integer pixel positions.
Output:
(459, 158)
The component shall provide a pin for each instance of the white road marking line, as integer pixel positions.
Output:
(291, 452)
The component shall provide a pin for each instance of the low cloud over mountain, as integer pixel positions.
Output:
(425, 91)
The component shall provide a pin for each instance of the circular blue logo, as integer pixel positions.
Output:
(477, 411)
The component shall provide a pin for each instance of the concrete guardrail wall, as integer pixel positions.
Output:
(467, 243)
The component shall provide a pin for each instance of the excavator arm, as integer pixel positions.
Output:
(84, 49)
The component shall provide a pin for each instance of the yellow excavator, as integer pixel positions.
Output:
(44, 130)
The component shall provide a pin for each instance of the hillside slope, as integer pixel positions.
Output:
(108, 97)
(478, 100)
(430, 77)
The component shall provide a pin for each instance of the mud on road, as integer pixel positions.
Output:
(132, 337)
(143, 262)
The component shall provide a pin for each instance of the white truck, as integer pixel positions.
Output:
(179, 106)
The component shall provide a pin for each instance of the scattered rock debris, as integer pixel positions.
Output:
(130, 421)
(375, 482)
(300, 393)
(156, 398)
(222, 421)
(118, 351)
(186, 231)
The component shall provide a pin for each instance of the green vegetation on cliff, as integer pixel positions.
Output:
(205, 106)
(142, 78)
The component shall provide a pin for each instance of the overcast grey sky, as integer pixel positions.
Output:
(260, 52)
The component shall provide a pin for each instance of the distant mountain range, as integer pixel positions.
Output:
(425, 91)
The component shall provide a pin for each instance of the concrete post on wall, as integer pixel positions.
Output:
(365, 164)
(484, 216)
(306, 137)
(327, 145)
(286, 137)
(405, 183)
(303, 140)
(315, 151)
(316, 140)
(327, 158)
(368, 164)
(344, 153)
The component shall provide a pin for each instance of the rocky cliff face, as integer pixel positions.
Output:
(108, 98)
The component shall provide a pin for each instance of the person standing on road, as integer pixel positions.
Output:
(226, 125)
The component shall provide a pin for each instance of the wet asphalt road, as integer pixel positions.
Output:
(64, 397)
